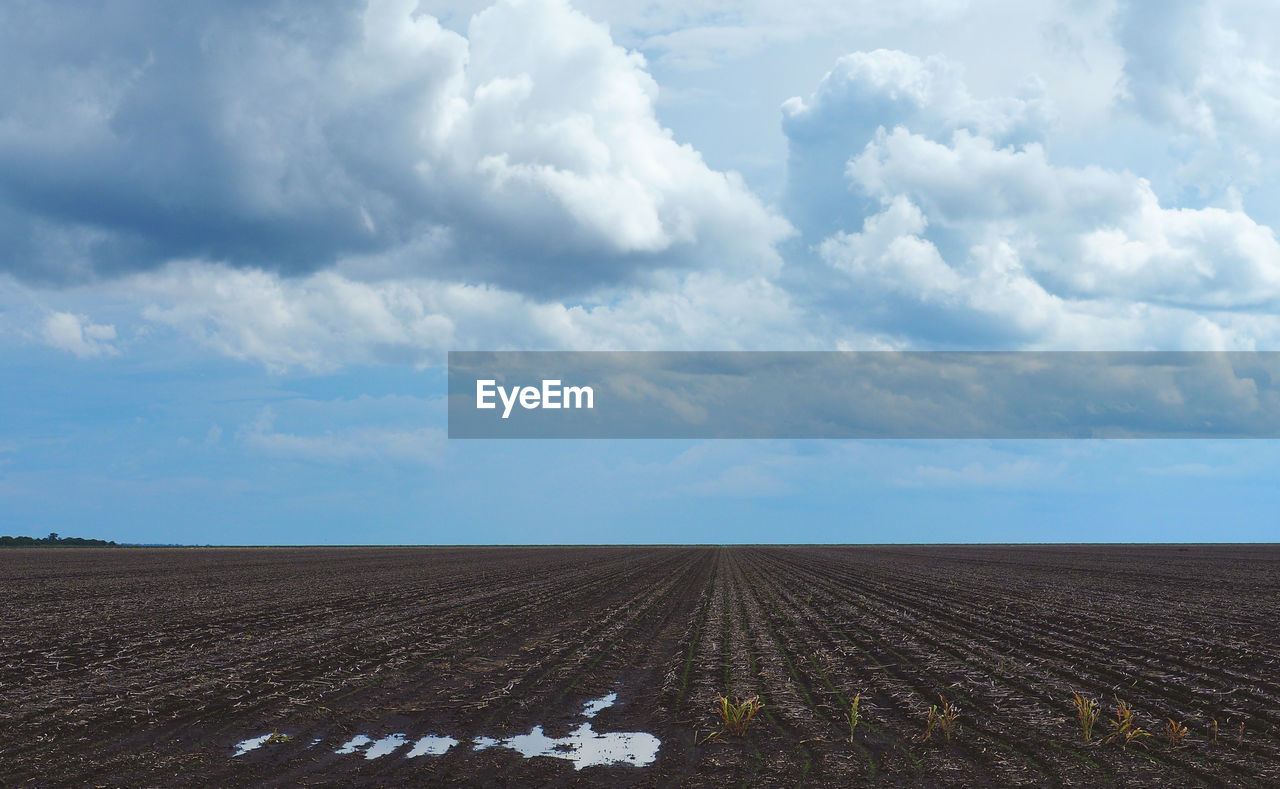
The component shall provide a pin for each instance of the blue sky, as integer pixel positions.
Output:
(237, 242)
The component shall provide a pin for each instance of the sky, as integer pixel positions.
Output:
(237, 242)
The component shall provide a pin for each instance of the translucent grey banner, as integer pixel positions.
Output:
(942, 394)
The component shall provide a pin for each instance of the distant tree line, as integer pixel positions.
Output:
(52, 539)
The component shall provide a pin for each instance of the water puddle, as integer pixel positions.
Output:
(590, 709)
(583, 746)
(372, 748)
(254, 743)
(431, 746)
(355, 743)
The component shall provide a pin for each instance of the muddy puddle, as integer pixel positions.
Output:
(583, 746)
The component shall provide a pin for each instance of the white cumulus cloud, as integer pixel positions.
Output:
(378, 185)
(327, 320)
(77, 335)
(525, 153)
(866, 91)
(1207, 74)
(1083, 232)
(956, 228)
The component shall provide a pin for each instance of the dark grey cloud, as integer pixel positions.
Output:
(287, 135)
(140, 132)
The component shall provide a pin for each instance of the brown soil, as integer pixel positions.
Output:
(144, 667)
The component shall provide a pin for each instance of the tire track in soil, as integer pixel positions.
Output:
(1061, 645)
(277, 632)
(887, 659)
(658, 606)
(914, 626)
(515, 670)
(806, 687)
(545, 687)
(948, 617)
(582, 591)
(684, 678)
(987, 766)
(1140, 615)
(906, 626)
(1066, 683)
(1157, 694)
(832, 714)
(784, 708)
(708, 668)
(733, 672)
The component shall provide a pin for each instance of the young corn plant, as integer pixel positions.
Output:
(854, 716)
(1175, 734)
(699, 741)
(1086, 713)
(948, 718)
(277, 737)
(941, 718)
(1124, 729)
(736, 715)
(930, 724)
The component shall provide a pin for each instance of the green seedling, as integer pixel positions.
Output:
(930, 724)
(854, 716)
(1175, 734)
(700, 741)
(948, 718)
(944, 718)
(736, 715)
(1086, 713)
(1124, 729)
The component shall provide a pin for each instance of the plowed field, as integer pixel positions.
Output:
(148, 667)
